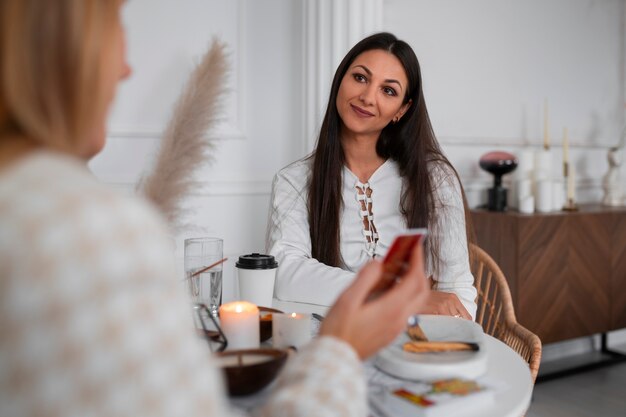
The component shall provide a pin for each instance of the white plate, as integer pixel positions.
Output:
(427, 366)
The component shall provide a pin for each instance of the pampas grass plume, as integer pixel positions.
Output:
(186, 145)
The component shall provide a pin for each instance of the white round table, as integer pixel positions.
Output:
(506, 371)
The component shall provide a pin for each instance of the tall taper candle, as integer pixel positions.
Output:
(565, 151)
(571, 187)
(546, 130)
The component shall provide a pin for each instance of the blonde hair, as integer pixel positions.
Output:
(51, 53)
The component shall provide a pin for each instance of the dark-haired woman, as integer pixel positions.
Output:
(377, 170)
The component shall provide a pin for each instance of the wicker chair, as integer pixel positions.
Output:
(495, 310)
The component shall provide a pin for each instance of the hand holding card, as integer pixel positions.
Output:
(397, 259)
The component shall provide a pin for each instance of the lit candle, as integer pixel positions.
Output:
(240, 323)
(546, 134)
(291, 329)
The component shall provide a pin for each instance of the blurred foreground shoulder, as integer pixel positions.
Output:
(51, 205)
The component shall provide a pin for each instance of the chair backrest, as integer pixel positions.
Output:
(495, 311)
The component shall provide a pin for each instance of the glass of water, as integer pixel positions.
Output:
(205, 287)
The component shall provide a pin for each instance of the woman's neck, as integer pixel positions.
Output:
(360, 154)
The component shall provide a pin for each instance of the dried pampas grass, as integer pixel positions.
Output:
(185, 144)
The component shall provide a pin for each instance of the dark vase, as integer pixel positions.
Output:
(498, 163)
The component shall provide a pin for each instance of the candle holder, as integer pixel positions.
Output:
(568, 174)
(570, 205)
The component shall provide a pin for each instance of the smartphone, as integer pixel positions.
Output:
(397, 259)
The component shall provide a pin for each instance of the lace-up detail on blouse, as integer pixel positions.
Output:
(364, 197)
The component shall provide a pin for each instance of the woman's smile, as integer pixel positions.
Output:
(361, 112)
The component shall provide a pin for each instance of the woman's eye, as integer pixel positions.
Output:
(389, 91)
(360, 78)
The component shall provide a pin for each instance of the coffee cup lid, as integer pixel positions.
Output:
(256, 261)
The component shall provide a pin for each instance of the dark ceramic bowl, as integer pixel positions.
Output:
(249, 371)
(265, 322)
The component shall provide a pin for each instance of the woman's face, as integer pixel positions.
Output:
(115, 68)
(371, 93)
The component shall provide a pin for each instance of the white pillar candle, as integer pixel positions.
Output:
(543, 202)
(291, 330)
(558, 195)
(240, 323)
(524, 188)
(527, 204)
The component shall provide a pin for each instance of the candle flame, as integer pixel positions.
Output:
(239, 307)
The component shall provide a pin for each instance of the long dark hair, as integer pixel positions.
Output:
(410, 142)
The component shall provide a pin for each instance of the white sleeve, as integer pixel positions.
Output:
(326, 378)
(300, 278)
(455, 275)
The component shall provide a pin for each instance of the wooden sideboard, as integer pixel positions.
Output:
(566, 270)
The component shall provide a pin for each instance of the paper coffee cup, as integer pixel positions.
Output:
(256, 273)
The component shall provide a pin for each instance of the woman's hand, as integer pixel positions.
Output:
(444, 303)
(371, 325)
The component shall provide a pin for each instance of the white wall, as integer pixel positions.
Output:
(260, 133)
(487, 67)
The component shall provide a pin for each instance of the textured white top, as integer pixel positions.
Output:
(94, 322)
(363, 234)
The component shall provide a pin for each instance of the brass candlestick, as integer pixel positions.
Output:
(570, 203)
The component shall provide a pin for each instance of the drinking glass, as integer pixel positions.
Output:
(205, 287)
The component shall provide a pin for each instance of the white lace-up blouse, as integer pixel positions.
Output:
(370, 219)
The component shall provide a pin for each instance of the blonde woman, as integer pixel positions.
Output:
(93, 320)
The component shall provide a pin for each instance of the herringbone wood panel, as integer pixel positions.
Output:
(568, 270)
(618, 276)
(549, 298)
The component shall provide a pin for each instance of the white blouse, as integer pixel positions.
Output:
(370, 219)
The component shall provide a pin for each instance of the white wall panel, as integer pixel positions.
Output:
(165, 40)
(261, 129)
(489, 64)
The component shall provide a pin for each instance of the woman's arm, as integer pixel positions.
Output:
(327, 378)
(454, 275)
(300, 278)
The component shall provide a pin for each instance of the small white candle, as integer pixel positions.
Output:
(527, 204)
(291, 330)
(240, 323)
